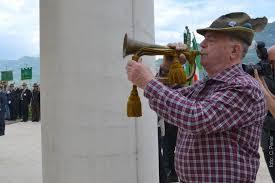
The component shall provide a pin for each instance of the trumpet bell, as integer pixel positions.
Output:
(131, 46)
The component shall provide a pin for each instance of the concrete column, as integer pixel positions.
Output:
(86, 135)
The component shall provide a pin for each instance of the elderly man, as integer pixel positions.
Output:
(267, 142)
(220, 118)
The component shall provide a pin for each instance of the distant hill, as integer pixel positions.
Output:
(267, 35)
(28, 59)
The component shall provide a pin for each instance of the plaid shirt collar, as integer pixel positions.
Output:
(227, 74)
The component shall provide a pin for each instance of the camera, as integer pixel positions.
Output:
(263, 67)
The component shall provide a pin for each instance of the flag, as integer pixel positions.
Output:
(195, 46)
(196, 77)
(188, 68)
(26, 73)
(6, 76)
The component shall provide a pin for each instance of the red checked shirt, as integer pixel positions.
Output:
(220, 122)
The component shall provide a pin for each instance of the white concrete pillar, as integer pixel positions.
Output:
(86, 136)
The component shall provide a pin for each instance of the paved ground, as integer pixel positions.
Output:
(20, 155)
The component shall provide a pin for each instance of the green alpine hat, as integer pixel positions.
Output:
(237, 24)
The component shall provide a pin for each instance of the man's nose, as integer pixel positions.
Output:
(203, 44)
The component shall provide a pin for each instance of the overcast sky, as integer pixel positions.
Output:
(19, 28)
(19, 20)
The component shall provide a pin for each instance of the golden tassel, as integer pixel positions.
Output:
(134, 104)
(176, 74)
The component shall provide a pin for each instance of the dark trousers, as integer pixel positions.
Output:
(35, 112)
(169, 145)
(268, 147)
(162, 173)
(12, 108)
(25, 111)
(2, 123)
(19, 109)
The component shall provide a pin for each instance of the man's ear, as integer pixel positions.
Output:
(236, 51)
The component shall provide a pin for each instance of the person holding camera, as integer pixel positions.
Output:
(220, 118)
(267, 83)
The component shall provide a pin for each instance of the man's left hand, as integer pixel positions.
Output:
(138, 73)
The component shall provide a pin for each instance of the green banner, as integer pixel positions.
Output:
(196, 47)
(6, 76)
(26, 73)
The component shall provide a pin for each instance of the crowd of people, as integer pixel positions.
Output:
(219, 120)
(17, 103)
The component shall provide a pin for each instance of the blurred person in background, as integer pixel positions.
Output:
(35, 103)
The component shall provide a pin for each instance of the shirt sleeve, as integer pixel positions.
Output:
(218, 112)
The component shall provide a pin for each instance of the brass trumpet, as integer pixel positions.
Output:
(176, 73)
(138, 49)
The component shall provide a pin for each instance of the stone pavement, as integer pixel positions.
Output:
(20, 155)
